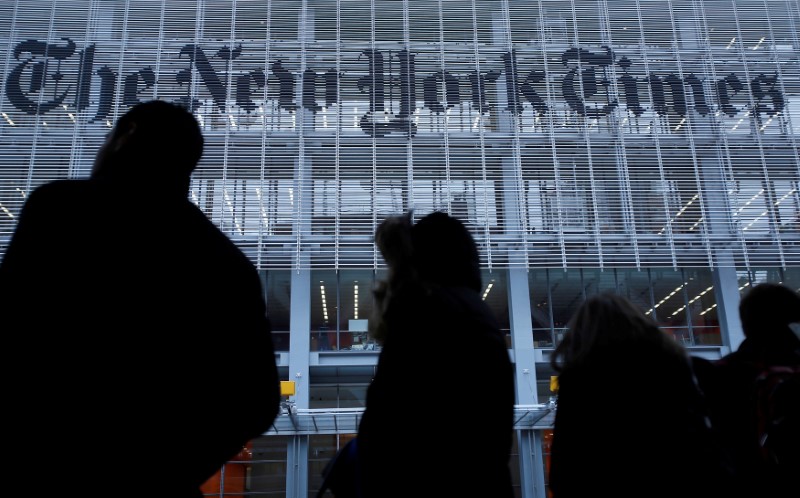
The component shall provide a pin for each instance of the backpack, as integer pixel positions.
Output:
(777, 414)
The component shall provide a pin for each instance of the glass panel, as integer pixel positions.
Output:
(338, 396)
(259, 469)
(635, 285)
(541, 320)
(341, 305)
(685, 305)
(566, 295)
(495, 294)
(321, 448)
(352, 396)
(277, 286)
(323, 397)
(702, 308)
(669, 291)
(791, 278)
(324, 310)
(755, 275)
(355, 309)
(597, 280)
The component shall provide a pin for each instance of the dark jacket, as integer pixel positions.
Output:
(439, 412)
(729, 385)
(142, 353)
(631, 423)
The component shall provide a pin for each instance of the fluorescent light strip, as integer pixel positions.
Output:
(264, 216)
(765, 212)
(667, 297)
(748, 202)
(355, 301)
(324, 301)
(708, 309)
(233, 214)
(672, 220)
(695, 298)
(768, 121)
(488, 288)
(696, 224)
(740, 121)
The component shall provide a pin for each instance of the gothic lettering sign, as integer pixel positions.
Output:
(592, 83)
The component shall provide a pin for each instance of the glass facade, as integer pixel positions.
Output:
(649, 147)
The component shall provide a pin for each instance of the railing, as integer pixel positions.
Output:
(293, 421)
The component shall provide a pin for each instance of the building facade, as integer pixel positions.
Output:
(649, 147)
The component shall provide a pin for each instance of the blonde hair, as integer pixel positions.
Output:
(393, 239)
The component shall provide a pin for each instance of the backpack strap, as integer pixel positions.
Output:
(777, 391)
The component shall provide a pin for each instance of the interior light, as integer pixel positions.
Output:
(667, 297)
(355, 301)
(680, 212)
(233, 212)
(260, 196)
(8, 119)
(768, 121)
(695, 298)
(488, 289)
(708, 309)
(749, 201)
(324, 302)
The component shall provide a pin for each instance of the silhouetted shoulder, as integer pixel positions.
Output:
(57, 193)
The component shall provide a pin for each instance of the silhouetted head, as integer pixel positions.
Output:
(438, 250)
(609, 322)
(767, 310)
(444, 251)
(157, 141)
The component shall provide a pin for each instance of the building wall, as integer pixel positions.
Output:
(648, 147)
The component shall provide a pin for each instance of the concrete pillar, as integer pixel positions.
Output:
(299, 347)
(726, 290)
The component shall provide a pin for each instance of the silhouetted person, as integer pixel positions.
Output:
(137, 349)
(731, 387)
(439, 411)
(630, 420)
